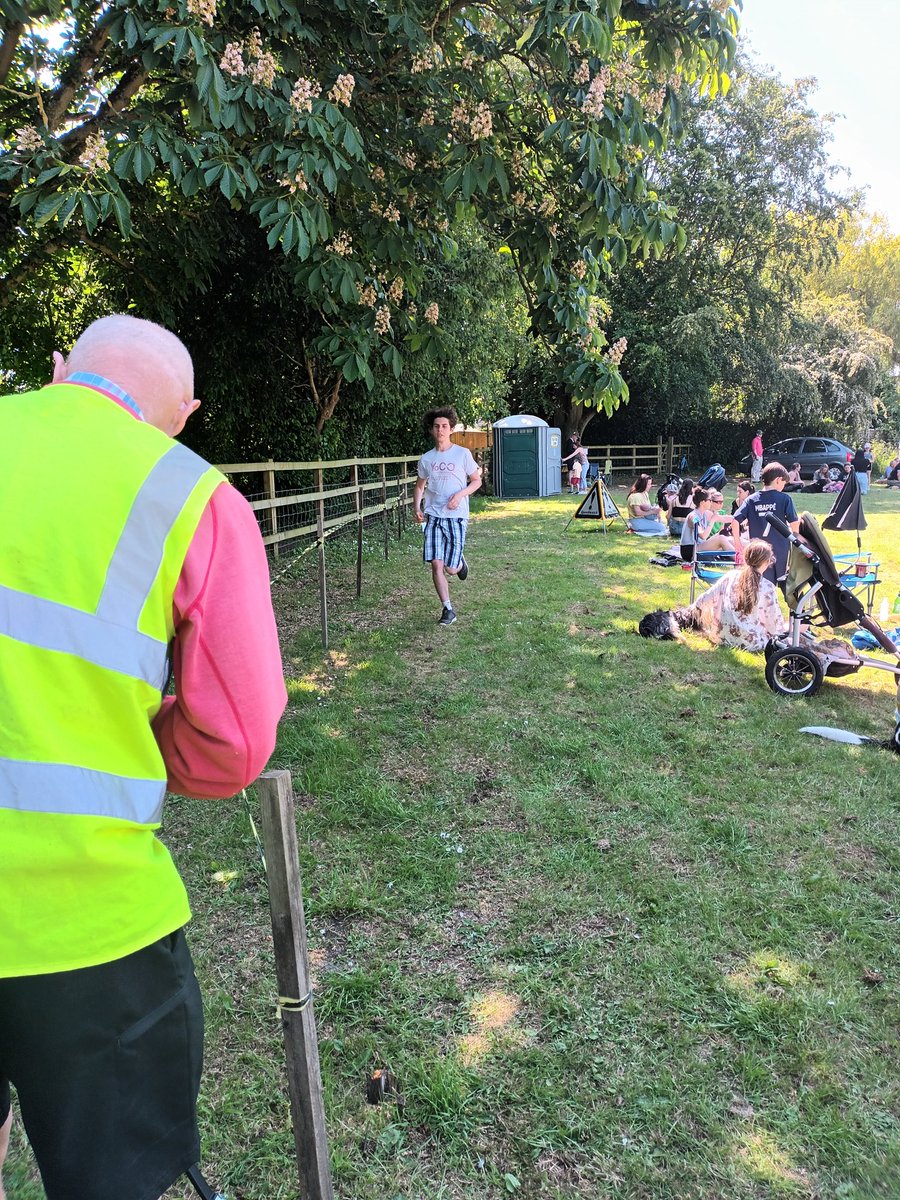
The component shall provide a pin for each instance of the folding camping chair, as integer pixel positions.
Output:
(708, 567)
(868, 581)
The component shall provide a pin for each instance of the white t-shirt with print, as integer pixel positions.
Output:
(446, 472)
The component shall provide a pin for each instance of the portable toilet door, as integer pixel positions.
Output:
(517, 453)
(550, 462)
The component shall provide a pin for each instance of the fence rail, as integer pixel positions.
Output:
(652, 457)
(292, 507)
(312, 501)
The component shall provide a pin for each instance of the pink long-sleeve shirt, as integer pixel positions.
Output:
(217, 732)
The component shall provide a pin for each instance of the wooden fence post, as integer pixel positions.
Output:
(273, 511)
(660, 462)
(382, 474)
(320, 533)
(358, 507)
(400, 472)
(670, 454)
(295, 998)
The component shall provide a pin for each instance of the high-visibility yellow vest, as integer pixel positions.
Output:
(98, 512)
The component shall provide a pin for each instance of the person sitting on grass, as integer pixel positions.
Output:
(820, 479)
(744, 489)
(680, 506)
(719, 517)
(697, 532)
(836, 485)
(741, 609)
(795, 482)
(643, 517)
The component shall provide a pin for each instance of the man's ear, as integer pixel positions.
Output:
(185, 409)
(59, 367)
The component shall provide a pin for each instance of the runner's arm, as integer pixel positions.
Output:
(418, 493)
(473, 485)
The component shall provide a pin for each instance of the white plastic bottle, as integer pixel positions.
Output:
(884, 611)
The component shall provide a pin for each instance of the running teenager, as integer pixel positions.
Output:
(448, 475)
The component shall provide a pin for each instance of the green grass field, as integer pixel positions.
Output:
(615, 925)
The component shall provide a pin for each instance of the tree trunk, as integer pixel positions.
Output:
(8, 46)
(572, 417)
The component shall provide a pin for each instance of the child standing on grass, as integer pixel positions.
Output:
(447, 477)
(757, 509)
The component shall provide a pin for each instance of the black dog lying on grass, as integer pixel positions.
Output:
(666, 624)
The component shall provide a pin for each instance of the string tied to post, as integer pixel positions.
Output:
(288, 1004)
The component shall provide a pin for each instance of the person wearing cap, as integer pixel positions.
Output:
(862, 466)
(756, 454)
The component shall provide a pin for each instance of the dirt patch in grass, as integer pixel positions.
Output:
(485, 785)
(852, 858)
(662, 855)
(603, 927)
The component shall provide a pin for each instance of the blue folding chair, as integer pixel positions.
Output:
(868, 581)
(708, 567)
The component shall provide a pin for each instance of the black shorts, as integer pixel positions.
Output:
(106, 1062)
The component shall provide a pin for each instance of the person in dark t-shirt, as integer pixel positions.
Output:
(862, 466)
(756, 510)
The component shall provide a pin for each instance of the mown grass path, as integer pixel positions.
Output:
(618, 929)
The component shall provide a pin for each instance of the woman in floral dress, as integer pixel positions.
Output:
(741, 609)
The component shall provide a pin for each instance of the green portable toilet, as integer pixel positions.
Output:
(527, 457)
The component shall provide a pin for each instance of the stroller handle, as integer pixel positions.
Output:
(783, 528)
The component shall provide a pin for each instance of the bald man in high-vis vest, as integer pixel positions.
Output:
(127, 561)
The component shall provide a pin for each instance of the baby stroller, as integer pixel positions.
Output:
(712, 477)
(797, 662)
(672, 485)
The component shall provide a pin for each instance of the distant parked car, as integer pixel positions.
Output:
(809, 452)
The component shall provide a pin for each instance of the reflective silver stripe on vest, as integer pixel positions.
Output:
(109, 637)
(135, 561)
(54, 626)
(76, 791)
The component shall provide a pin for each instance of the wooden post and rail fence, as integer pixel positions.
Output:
(312, 501)
(657, 457)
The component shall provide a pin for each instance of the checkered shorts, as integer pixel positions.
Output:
(445, 538)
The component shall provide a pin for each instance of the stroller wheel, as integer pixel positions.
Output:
(794, 672)
(771, 647)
